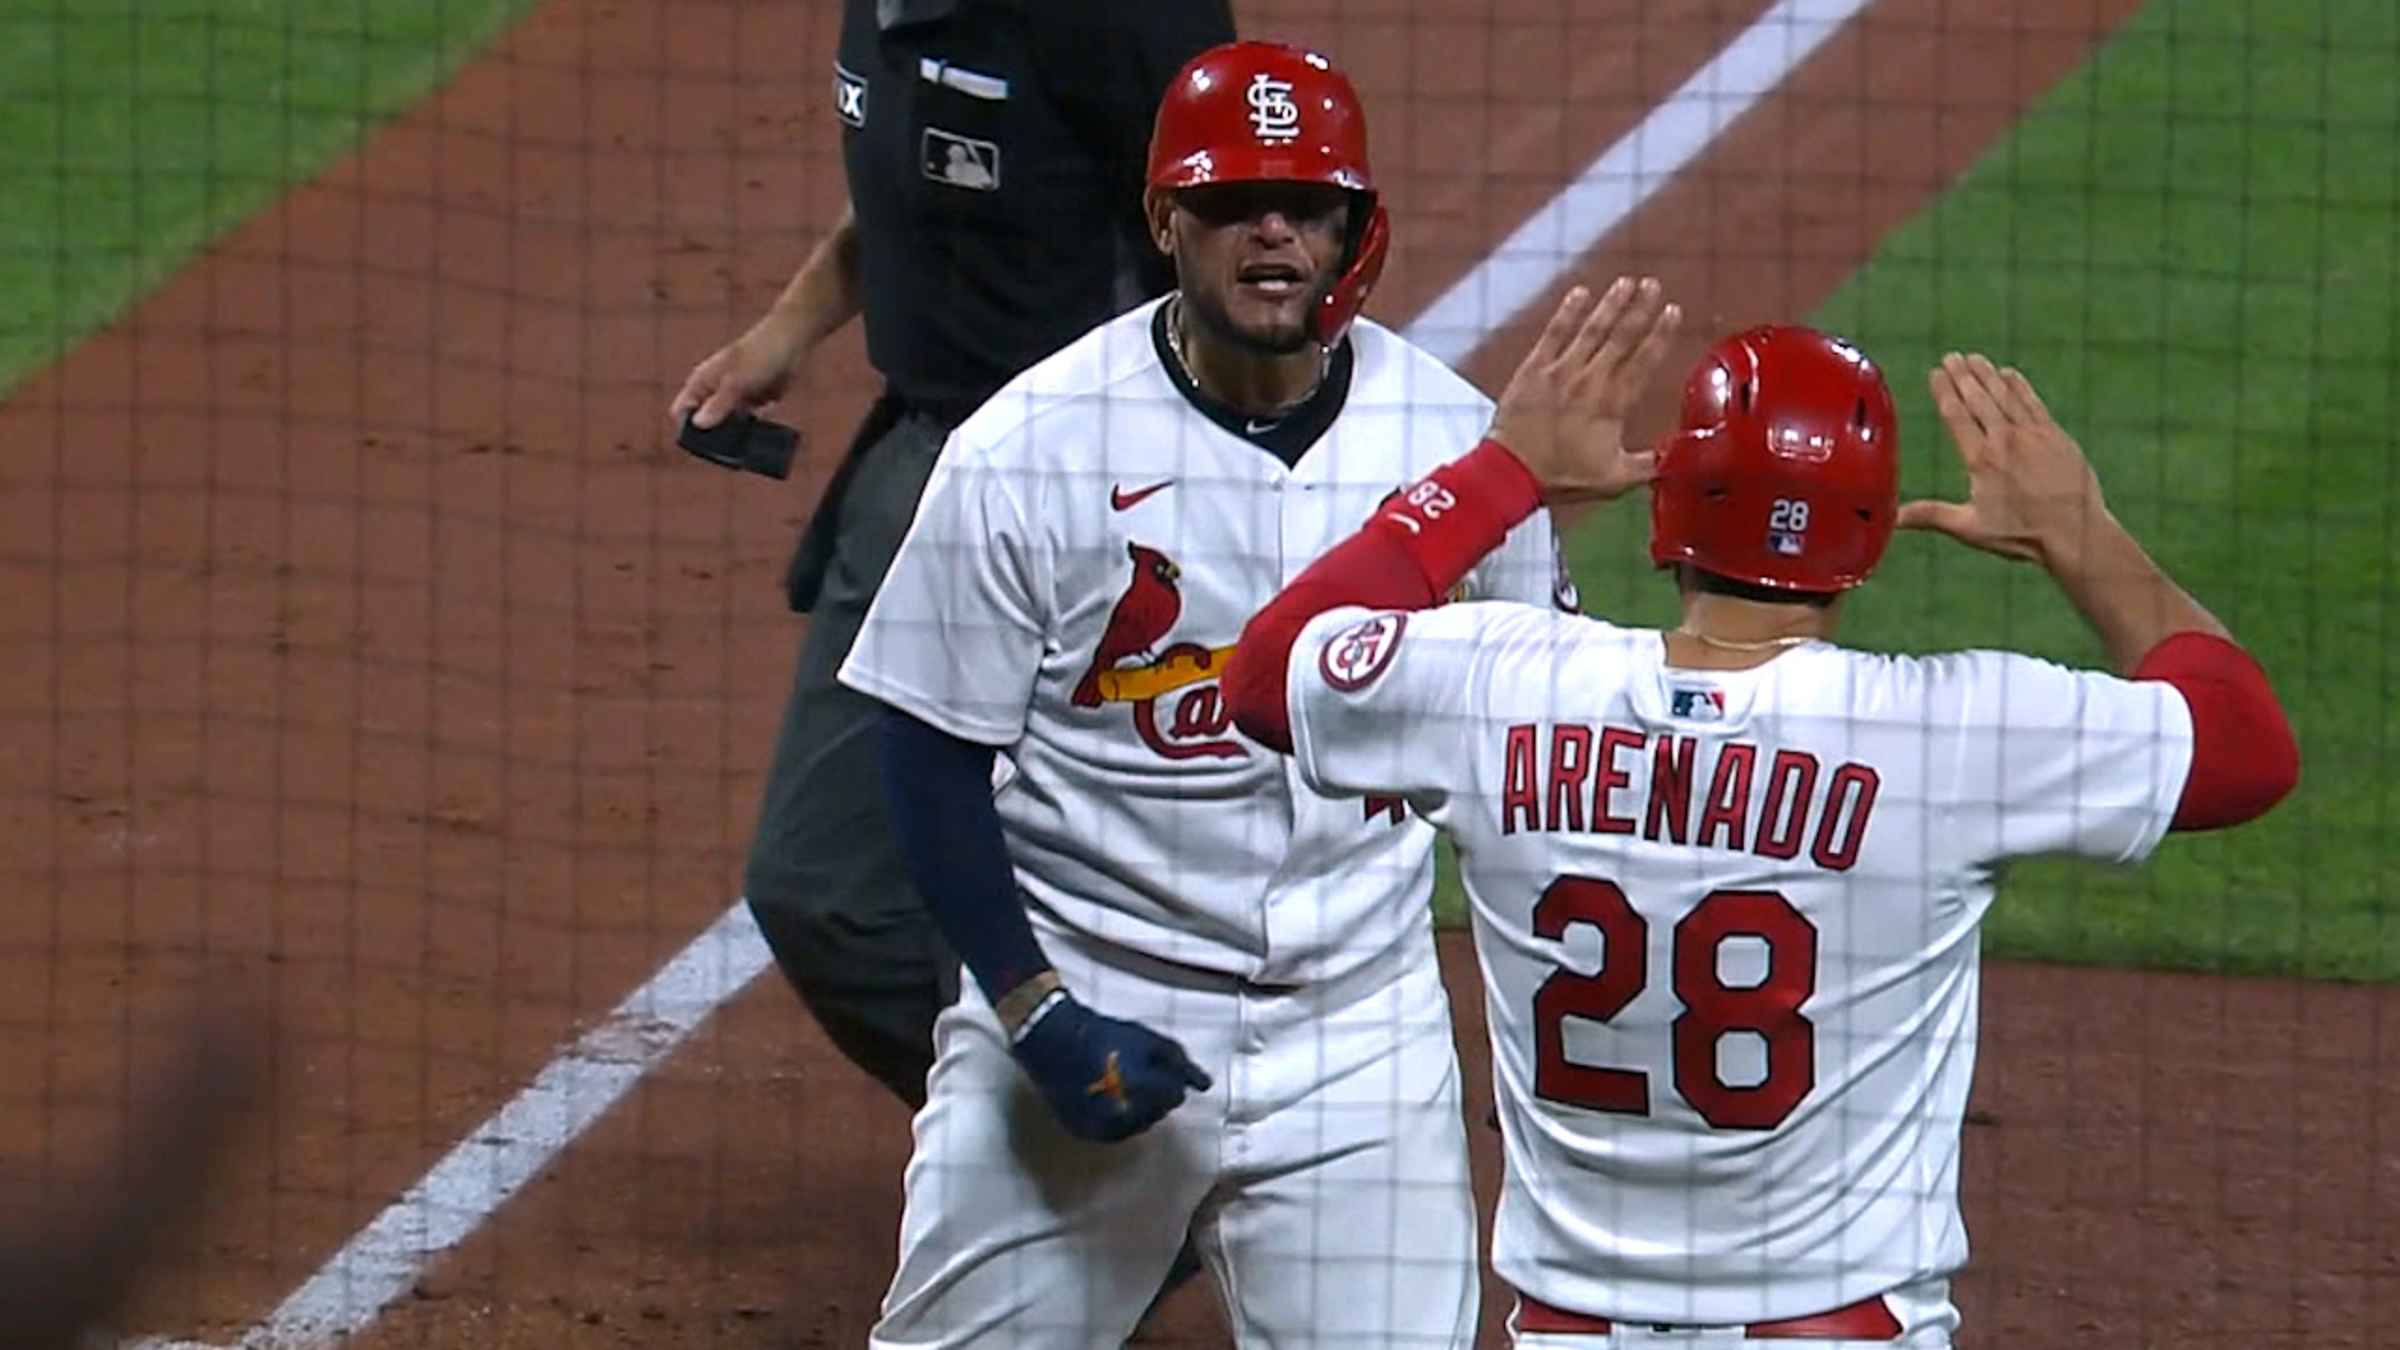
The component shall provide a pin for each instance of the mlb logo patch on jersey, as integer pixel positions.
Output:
(1696, 703)
(1352, 658)
(961, 161)
(849, 96)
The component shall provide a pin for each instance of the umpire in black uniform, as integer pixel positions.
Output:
(994, 151)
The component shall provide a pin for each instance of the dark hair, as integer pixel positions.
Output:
(1711, 583)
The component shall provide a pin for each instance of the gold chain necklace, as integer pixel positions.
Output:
(1175, 345)
(1771, 644)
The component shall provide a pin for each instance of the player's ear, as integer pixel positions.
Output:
(1158, 208)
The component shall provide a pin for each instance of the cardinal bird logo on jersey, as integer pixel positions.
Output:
(1195, 724)
(1149, 607)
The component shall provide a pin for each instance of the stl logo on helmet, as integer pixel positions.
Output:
(1273, 115)
(1182, 676)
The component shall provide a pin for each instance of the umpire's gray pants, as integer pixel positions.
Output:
(824, 878)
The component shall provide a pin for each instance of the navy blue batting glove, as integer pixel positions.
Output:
(1105, 1079)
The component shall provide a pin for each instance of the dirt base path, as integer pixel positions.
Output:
(377, 655)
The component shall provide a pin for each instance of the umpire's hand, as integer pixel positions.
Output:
(750, 372)
(1105, 1079)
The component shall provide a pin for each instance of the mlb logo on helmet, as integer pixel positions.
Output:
(1696, 702)
(1273, 115)
(1784, 542)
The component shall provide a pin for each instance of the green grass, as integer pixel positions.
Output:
(132, 132)
(2190, 246)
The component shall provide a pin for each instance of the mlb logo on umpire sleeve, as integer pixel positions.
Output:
(849, 96)
(961, 161)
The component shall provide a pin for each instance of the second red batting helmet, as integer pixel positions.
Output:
(1252, 112)
(1785, 469)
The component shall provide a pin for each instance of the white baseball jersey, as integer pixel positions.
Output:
(1077, 574)
(1728, 924)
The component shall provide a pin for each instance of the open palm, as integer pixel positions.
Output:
(2030, 491)
(1563, 412)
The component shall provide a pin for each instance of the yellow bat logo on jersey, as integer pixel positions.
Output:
(1183, 665)
(1151, 603)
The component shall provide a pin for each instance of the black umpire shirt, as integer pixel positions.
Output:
(995, 153)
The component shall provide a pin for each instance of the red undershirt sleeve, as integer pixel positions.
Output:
(2244, 757)
(1418, 545)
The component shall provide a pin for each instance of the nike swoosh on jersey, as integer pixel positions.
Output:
(1257, 428)
(1126, 501)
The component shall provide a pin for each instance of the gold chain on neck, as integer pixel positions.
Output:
(1175, 345)
(1771, 644)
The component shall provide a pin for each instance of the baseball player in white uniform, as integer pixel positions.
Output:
(1205, 996)
(1727, 879)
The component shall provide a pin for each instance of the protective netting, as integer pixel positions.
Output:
(375, 662)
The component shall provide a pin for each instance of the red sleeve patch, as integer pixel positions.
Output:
(1353, 658)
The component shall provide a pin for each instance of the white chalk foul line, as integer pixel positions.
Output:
(478, 1176)
(1626, 175)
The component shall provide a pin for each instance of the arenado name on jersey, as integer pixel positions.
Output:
(1568, 777)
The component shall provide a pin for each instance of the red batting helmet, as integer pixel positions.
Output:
(1785, 470)
(1251, 112)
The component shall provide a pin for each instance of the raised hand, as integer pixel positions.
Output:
(2031, 494)
(1563, 412)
